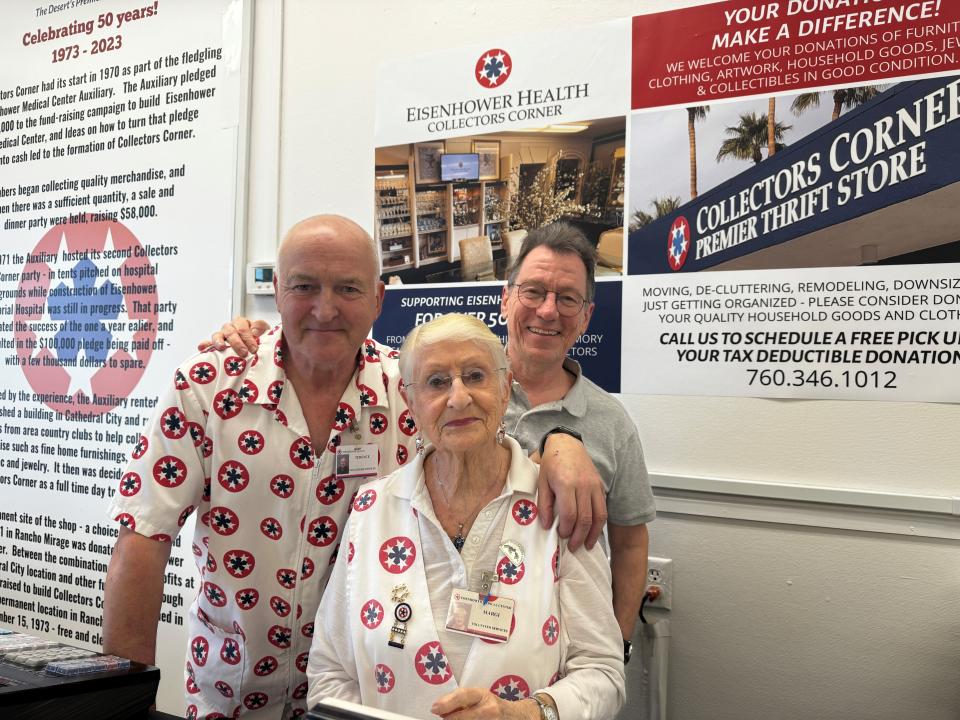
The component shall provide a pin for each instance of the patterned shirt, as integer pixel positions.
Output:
(563, 635)
(229, 442)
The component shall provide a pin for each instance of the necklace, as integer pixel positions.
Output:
(458, 540)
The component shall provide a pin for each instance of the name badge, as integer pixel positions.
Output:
(468, 614)
(357, 461)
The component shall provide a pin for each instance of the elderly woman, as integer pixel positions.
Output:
(447, 596)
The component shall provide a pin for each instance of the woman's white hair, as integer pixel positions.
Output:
(452, 327)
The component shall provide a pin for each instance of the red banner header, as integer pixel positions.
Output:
(746, 47)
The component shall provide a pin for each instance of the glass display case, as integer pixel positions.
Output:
(496, 200)
(394, 228)
(466, 204)
(431, 206)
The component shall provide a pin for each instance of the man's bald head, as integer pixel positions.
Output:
(309, 234)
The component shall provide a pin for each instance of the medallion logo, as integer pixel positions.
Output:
(494, 68)
(85, 317)
(678, 243)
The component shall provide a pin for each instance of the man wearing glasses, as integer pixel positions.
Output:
(548, 302)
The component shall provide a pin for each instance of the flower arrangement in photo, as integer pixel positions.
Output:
(542, 201)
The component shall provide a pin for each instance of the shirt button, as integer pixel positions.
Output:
(488, 513)
(475, 539)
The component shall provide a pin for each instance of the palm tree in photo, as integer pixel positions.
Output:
(661, 208)
(747, 140)
(843, 99)
(698, 112)
(771, 127)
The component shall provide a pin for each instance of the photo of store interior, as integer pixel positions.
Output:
(458, 210)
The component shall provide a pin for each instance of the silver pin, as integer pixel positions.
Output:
(513, 551)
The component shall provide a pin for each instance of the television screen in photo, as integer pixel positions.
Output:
(459, 166)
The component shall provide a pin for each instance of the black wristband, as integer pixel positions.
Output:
(559, 429)
(627, 651)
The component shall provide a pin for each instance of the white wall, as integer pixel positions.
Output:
(821, 619)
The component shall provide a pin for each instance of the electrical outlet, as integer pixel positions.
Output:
(660, 575)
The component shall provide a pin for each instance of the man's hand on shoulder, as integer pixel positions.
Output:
(240, 334)
(570, 485)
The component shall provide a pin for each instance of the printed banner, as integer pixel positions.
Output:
(884, 333)
(118, 148)
(489, 145)
(827, 217)
(791, 139)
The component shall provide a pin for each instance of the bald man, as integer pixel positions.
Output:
(266, 451)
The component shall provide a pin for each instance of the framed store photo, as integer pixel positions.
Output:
(489, 152)
(428, 161)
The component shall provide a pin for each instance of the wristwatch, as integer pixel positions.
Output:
(547, 712)
(559, 429)
(627, 651)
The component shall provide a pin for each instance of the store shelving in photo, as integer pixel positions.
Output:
(421, 220)
(496, 198)
(394, 226)
(432, 223)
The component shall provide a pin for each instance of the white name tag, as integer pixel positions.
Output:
(357, 461)
(469, 615)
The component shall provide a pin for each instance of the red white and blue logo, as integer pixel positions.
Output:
(511, 687)
(678, 243)
(508, 572)
(371, 614)
(385, 678)
(493, 68)
(397, 554)
(431, 664)
(524, 512)
(86, 316)
(322, 531)
(550, 630)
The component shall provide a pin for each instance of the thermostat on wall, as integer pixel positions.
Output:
(260, 278)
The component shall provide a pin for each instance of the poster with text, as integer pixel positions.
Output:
(118, 155)
(492, 143)
(793, 201)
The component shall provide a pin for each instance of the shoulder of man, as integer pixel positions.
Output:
(603, 401)
(376, 355)
(219, 369)
(378, 352)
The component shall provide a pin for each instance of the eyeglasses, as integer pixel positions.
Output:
(475, 379)
(533, 295)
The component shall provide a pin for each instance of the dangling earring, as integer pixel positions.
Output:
(419, 444)
(501, 432)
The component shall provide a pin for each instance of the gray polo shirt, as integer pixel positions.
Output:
(609, 435)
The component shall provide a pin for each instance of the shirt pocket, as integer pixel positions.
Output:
(216, 660)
